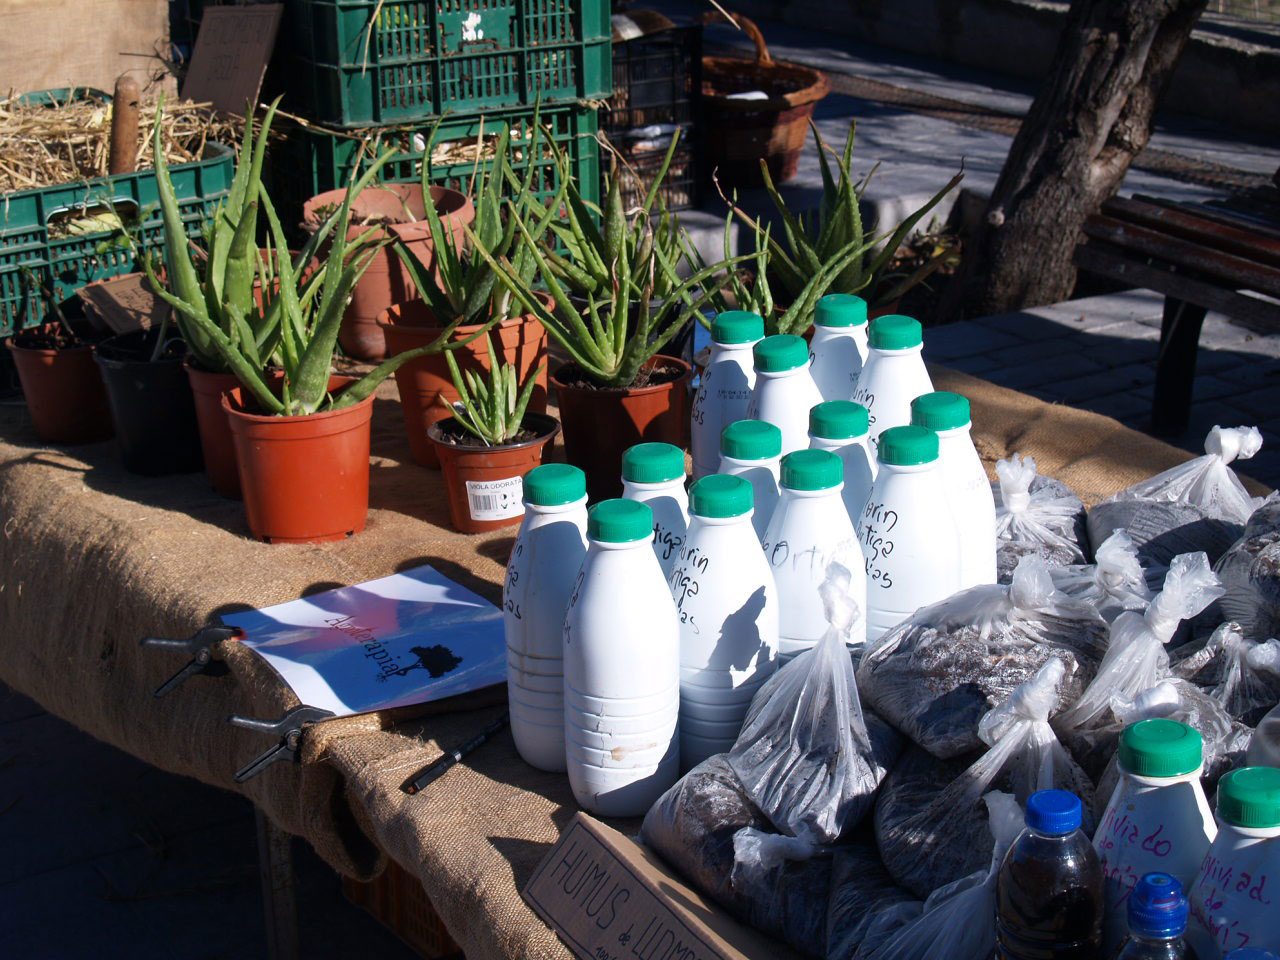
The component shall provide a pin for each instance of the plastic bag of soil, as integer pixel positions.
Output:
(959, 919)
(807, 755)
(930, 824)
(1113, 583)
(1241, 674)
(1136, 658)
(1250, 575)
(1035, 517)
(936, 674)
(693, 828)
(1197, 505)
(865, 906)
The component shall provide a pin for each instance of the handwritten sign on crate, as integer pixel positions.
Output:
(231, 54)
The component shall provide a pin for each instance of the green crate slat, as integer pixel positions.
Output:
(64, 264)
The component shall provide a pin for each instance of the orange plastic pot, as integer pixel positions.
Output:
(599, 425)
(424, 381)
(386, 281)
(220, 464)
(304, 479)
(64, 392)
(484, 483)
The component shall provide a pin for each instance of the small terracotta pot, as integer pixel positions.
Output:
(599, 425)
(304, 479)
(484, 486)
(386, 281)
(423, 381)
(64, 393)
(215, 434)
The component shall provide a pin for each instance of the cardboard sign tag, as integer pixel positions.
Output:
(610, 899)
(231, 54)
(122, 304)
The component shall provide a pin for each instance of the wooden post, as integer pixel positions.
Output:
(1176, 366)
(125, 107)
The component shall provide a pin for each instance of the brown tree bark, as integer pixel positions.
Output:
(1091, 117)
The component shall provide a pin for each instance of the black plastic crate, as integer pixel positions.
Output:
(657, 88)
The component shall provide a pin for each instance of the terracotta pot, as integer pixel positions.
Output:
(387, 281)
(599, 425)
(64, 392)
(485, 489)
(304, 479)
(151, 405)
(423, 381)
(215, 434)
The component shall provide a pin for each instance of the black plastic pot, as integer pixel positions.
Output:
(151, 404)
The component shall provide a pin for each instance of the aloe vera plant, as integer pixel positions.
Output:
(297, 327)
(810, 242)
(616, 271)
(491, 409)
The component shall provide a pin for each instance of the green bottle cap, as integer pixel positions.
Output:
(838, 420)
(1250, 797)
(620, 521)
(720, 495)
(737, 326)
(895, 332)
(940, 411)
(751, 440)
(812, 470)
(840, 310)
(653, 463)
(780, 352)
(553, 484)
(908, 446)
(1160, 748)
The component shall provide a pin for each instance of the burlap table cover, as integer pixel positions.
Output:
(93, 558)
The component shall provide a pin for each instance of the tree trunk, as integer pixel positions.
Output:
(1091, 117)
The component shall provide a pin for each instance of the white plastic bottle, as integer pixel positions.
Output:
(724, 391)
(728, 611)
(839, 344)
(968, 489)
(784, 392)
(653, 473)
(1157, 819)
(840, 426)
(809, 530)
(752, 449)
(544, 564)
(894, 373)
(908, 536)
(1235, 899)
(621, 668)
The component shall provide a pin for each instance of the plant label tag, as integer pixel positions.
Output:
(495, 499)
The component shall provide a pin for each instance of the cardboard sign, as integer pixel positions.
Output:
(122, 304)
(610, 899)
(231, 55)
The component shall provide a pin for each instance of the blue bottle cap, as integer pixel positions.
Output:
(1053, 811)
(1158, 907)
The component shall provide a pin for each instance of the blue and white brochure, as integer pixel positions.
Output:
(409, 638)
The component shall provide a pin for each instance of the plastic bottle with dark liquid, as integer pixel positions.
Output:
(1049, 903)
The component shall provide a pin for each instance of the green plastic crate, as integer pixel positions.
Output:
(313, 160)
(63, 262)
(426, 57)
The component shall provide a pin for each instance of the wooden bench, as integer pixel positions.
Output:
(1201, 259)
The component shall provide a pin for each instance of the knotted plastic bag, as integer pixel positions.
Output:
(931, 832)
(1197, 505)
(959, 919)
(1136, 658)
(1037, 517)
(807, 755)
(1241, 674)
(936, 674)
(1113, 583)
(1250, 575)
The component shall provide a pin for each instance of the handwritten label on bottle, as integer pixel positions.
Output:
(874, 528)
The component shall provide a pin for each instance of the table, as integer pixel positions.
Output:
(93, 558)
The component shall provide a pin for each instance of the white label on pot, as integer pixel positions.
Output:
(495, 499)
